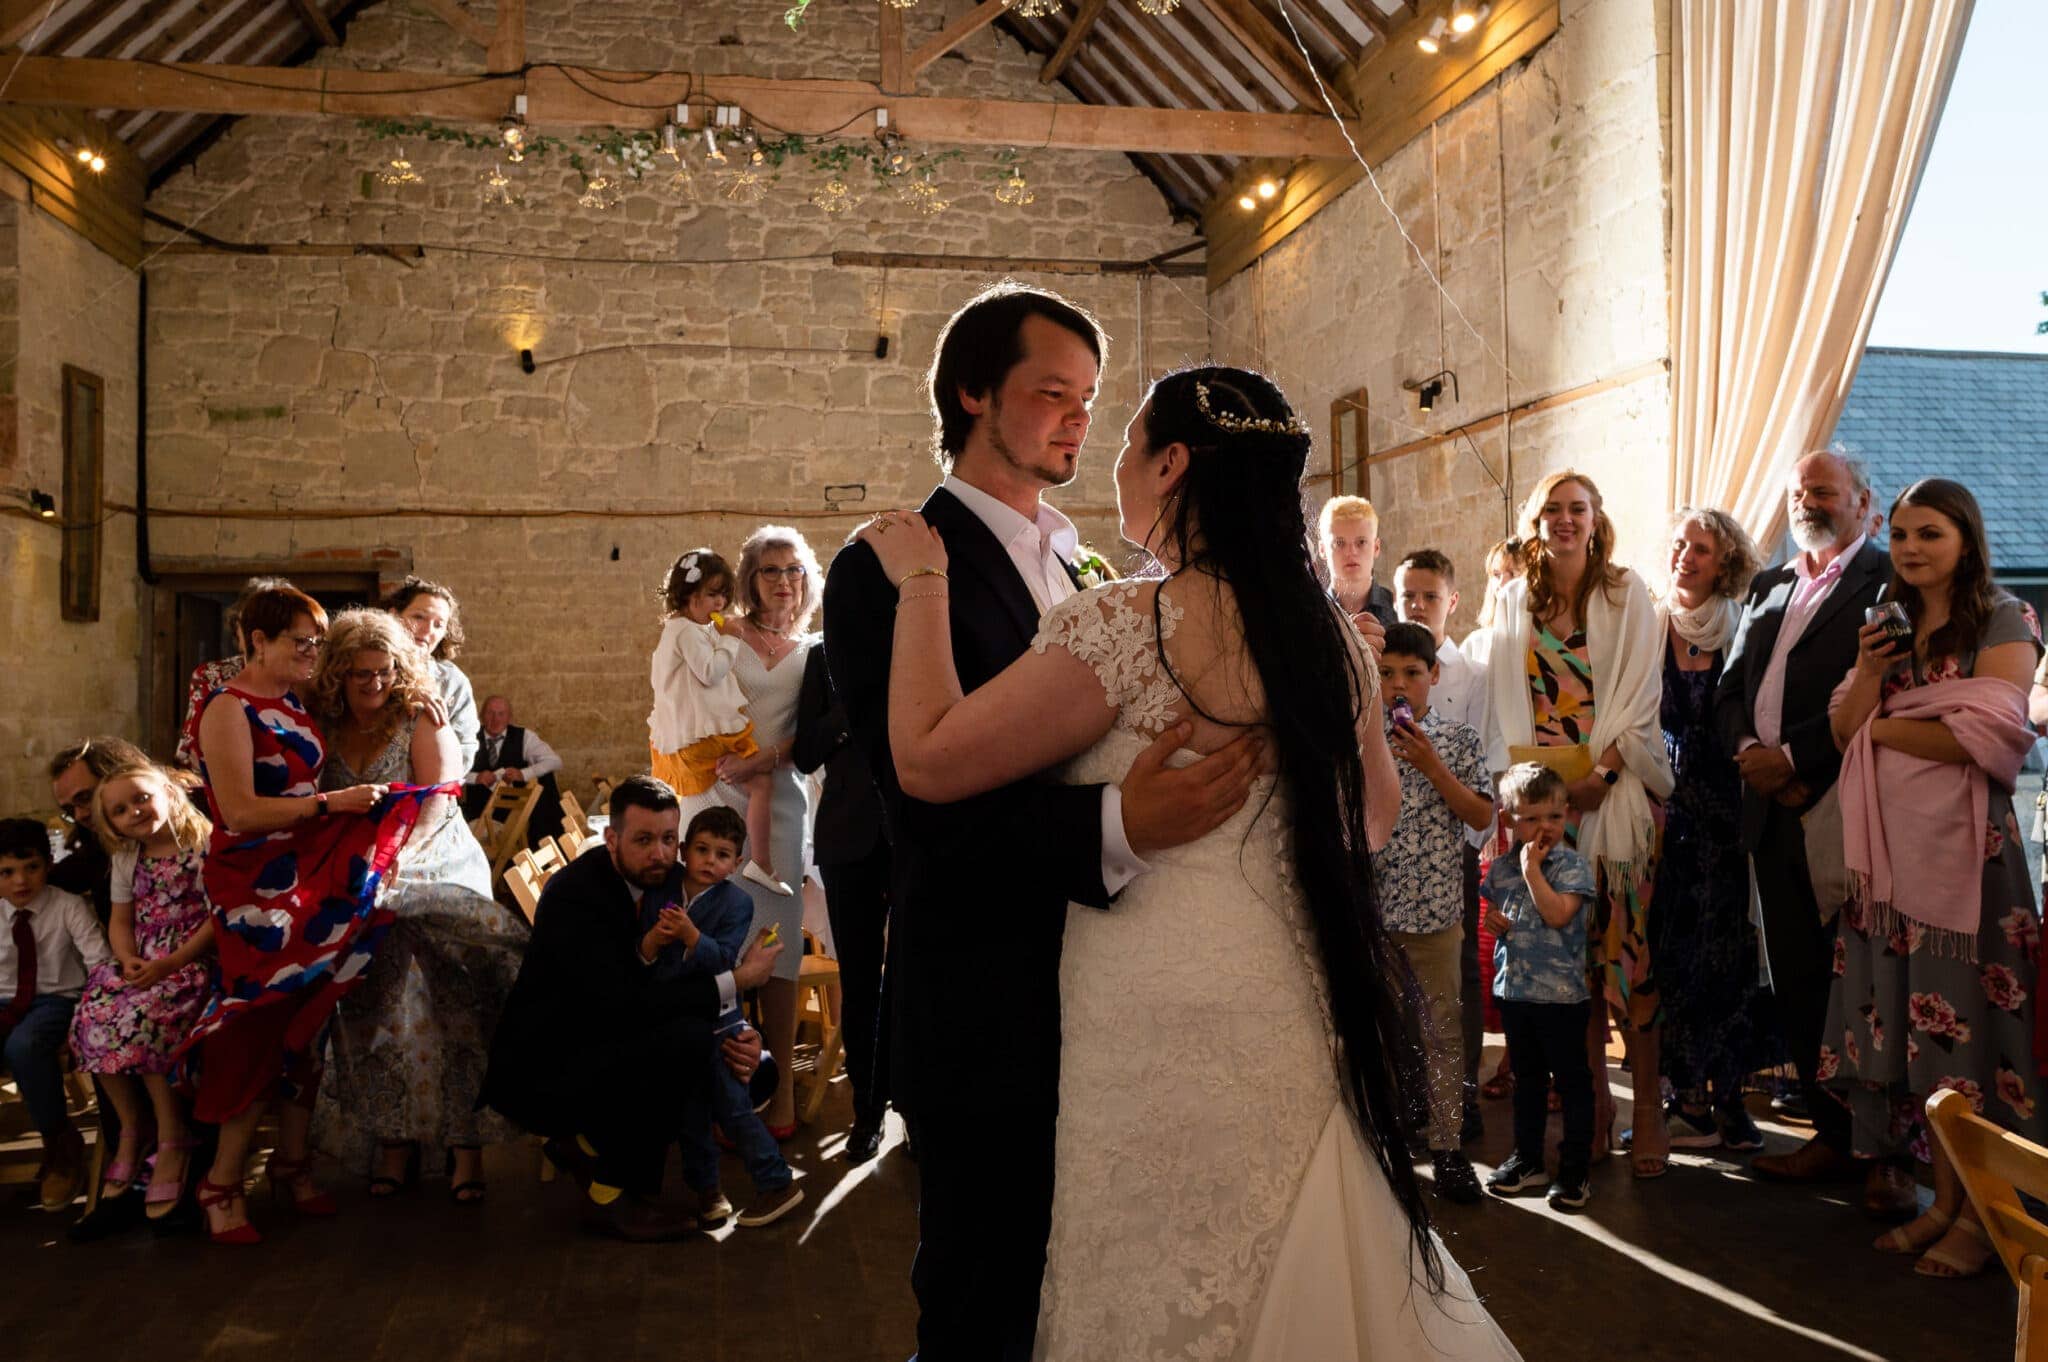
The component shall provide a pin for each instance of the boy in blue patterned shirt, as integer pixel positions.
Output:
(707, 933)
(1538, 890)
(1421, 875)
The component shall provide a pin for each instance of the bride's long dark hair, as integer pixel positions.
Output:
(1237, 515)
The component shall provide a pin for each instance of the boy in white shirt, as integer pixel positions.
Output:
(49, 942)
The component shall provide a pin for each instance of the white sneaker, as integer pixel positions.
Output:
(767, 881)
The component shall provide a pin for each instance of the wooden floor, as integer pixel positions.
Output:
(1704, 1266)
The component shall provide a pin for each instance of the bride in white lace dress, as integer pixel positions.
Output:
(1231, 1170)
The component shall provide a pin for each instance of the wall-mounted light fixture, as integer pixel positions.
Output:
(42, 503)
(1459, 22)
(526, 360)
(85, 156)
(1429, 391)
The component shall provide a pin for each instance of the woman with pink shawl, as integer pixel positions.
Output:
(1936, 945)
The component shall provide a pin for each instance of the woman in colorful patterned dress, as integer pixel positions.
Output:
(293, 877)
(411, 1045)
(1576, 663)
(138, 1007)
(1937, 945)
(209, 677)
(1716, 1027)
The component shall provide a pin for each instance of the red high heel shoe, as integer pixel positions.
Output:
(284, 1175)
(212, 1194)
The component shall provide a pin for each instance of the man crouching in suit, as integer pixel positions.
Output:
(1796, 641)
(975, 1060)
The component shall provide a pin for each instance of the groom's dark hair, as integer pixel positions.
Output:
(982, 342)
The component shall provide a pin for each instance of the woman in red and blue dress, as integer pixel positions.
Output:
(293, 877)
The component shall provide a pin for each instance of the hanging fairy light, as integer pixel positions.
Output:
(599, 193)
(1159, 6)
(834, 196)
(1015, 190)
(399, 171)
(1032, 9)
(677, 177)
(922, 197)
(901, 4)
(498, 190)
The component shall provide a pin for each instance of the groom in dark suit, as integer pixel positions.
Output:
(1796, 641)
(981, 886)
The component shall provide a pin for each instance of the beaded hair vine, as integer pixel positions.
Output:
(1293, 425)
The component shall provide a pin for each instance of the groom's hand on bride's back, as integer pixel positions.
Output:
(1166, 806)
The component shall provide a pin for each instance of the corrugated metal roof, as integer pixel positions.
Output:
(1980, 417)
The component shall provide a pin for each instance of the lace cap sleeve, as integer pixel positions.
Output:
(1111, 628)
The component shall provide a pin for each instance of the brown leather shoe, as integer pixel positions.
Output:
(63, 1172)
(1814, 1161)
(637, 1221)
(1889, 1193)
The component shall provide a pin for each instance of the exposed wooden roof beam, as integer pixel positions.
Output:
(1319, 18)
(1225, 66)
(1077, 33)
(1167, 60)
(20, 18)
(316, 22)
(956, 33)
(1371, 15)
(583, 99)
(507, 47)
(461, 20)
(1275, 51)
(1106, 65)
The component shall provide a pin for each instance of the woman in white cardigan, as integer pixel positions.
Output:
(1575, 663)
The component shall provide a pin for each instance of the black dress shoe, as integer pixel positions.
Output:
(863, 1142)
(112, 1216)
(637, 1221)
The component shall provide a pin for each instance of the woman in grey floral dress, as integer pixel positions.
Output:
(1934, 974)
(409, 1050)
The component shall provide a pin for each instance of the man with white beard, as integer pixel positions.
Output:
(1797, 639)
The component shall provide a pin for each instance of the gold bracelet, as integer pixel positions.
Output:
(940, 573)
(922, 596)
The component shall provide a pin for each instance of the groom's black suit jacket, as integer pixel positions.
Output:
(982, 885)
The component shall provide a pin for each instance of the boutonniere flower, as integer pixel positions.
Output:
(1091, 568)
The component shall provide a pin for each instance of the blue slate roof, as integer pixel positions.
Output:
(1980, 417)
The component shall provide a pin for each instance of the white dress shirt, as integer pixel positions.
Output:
(69, 944)
(541, 760)
(1040, 549)
(1461, 693)
(1768, 718)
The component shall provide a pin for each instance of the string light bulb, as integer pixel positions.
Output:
(599, 193)
(1465, 16)
(1269, 187)
(834, 196)
(1247, 202)
(400, 172)
(1015, 190)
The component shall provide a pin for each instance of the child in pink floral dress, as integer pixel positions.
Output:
(138, 1007)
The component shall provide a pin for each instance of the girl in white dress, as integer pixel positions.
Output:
(1232, 1178)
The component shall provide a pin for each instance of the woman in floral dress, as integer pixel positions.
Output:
(1934, 974)
(1576, 661)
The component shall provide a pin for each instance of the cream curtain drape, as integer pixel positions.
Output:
(1799, 131)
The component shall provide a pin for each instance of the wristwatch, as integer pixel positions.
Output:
(1609, 776)
(320, 804)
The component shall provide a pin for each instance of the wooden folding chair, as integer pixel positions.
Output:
(1995, 1166)
(501, 827)
(573, 843)
(519, 879)
(547, 858)
(572, 816)
(817, 984)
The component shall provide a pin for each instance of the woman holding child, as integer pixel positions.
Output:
(1936, 945)
(776, 595)
(293, 875)
(1576, 666)
(410, 1051)
(1716, 1029)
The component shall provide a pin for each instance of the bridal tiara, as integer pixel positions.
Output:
(1293, 425)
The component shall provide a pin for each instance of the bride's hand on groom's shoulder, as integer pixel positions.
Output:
(903, 544)
(1166, 806)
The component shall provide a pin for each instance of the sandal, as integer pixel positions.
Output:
(164, 1194)
(213, 1194)
(471, 1191)
(286, 1175)
(1956, 1263)
(383, 1184)
(1910, 1237)
(1651, 1163)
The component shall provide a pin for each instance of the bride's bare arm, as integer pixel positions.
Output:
(1382, 778)
(1045, 707)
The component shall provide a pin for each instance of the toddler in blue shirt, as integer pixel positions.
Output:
(1539, 890)
(706, 934)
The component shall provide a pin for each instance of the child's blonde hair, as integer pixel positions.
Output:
(1530, 782)
(189, 827)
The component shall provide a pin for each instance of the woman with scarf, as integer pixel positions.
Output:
(1937, 943)
(1576, 666)
(1716, 1030)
